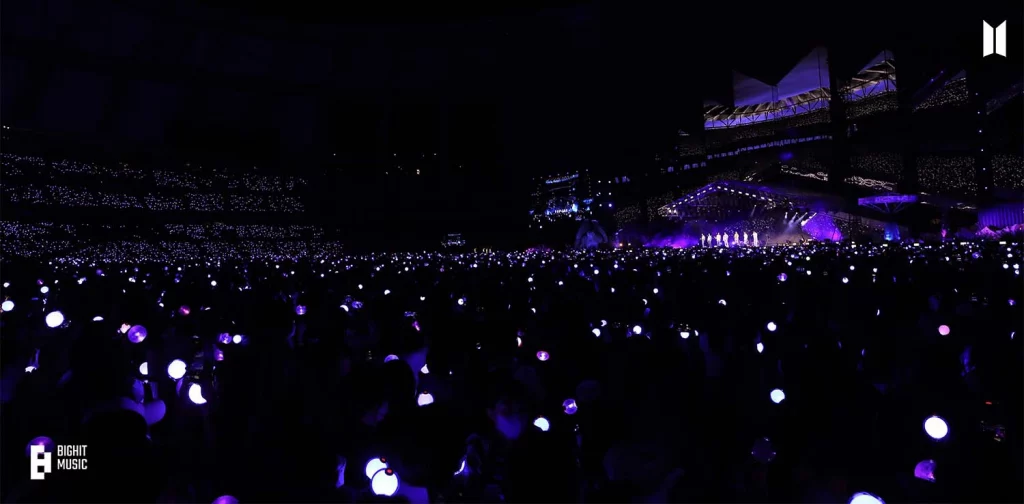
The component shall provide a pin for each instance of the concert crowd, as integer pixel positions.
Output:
(820, 372)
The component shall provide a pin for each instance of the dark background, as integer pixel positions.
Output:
(499, 92)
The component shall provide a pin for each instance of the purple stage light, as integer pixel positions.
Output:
(783, 277)
(569, 406)
(224, 338)
(300, 310)
(543, 356)
(184, 310)
(225, 499)
(944, 330)
(137, 334)
(925, 470)
(218, 354)
(43, 441)
(390, 358)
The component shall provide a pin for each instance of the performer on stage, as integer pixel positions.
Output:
(718, 239)
(736, 238)
(702, 239)
(725, 239)
(744, 237)
(755, 238)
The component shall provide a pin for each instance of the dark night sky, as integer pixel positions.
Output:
(527, 89)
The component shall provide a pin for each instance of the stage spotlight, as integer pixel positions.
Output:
(137, 334)
(54, 319)
(236, 339)
(865, 498)
(569, 406)
(7, 305)
(375, 464)
(425, 398)
(936, 427)
(925, 470)
(637, 329)
(385, 482)
(176, 369)
(195, 394)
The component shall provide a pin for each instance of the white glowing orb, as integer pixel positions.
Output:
(597, 332)
(375, 464)
(176, 369)
(344, 307)
(44, 289)
(424, 399)
(360, 286)
(936, 427)
(195, 394)
(423, 298)
(462, 301)
(7, 305)
(637, 329)
(772, 327)
(213, 283)
(390, 358)
(865, 498)
(778, 396)
(236, 339)
(387, 291)
(529, 280)
(543, 356)
(944, 330)
(846, 280)
(655, 290)
(760, 347)
(684, 334)
(54, 319)
(721, 302)
(385, 483)
(519, 341)
(144, 369)
(560, 283)
(97, 318)
(542, 424)
(425, 369)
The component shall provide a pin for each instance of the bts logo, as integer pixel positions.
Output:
(993, 40)
(41, 466)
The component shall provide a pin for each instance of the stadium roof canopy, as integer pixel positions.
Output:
(804, 89)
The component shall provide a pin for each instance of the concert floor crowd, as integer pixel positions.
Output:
(817, 372)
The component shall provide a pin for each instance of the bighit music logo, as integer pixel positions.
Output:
(69, 458)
